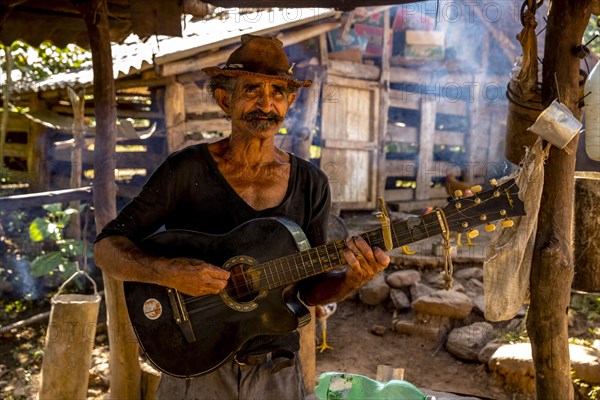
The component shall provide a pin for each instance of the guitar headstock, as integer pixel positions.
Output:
(499, 203)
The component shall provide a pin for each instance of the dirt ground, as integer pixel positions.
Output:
(358, 350)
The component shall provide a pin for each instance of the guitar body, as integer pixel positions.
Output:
(218, 330)
(187, 336)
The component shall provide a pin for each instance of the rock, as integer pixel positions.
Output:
(20, 373)
(19, 390)
(513, 325)
(419, 290)
(430, 278)
(378, 330)
(100, 375)
(479, 304)
(446, 396)
(515, 362)
(522, 311)
(466, 342)
(429, 331)
(469, 273)
(457, 286)
(476, 282)
(488, 351)
(586, 363)
(399, 299)
(375, 291)
(442, 302)
(5, 288)
(400, 279)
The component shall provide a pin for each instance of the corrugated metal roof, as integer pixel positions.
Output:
(223, 28)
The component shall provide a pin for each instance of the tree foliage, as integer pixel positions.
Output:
(37, 63)
(592, 30)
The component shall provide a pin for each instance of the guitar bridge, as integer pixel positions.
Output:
(181, 315)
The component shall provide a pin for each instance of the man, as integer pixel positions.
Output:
(213, 189)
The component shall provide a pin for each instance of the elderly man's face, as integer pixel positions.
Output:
(259, 105)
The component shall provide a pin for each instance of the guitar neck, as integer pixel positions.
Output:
(297, 266)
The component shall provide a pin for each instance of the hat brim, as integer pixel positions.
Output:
(214, 71)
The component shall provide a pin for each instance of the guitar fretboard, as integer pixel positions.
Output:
(297, 266)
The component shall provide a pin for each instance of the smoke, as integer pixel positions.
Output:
(17, 282)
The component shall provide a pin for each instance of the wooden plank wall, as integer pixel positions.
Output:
(479, 135)
(24, 152)
(136, 160)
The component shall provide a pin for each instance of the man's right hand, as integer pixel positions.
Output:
(195, 277)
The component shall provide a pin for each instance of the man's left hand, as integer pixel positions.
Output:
(363, 261)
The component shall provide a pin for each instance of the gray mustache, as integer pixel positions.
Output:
(252, 115)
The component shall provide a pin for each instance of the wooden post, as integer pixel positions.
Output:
(587, 231)
(308, 353)
(308, 102)
(552, 266)
(39, 180)
(384, 102)
(124, 364)
(175, 115)
(5, 101)
(69, 343)
(475, 141)
(78, 105)
(426, 139)
(386, 373)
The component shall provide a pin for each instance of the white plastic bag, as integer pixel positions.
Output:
(507, 265)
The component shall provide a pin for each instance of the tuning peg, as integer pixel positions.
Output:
(476, 189)
(490, 228)
(494, 182)
(458, 193)
(473, 233)
(508, 223)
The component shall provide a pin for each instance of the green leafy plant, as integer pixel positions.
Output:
(37, 63)
(591, 31)
(587, 305)
(61, 255)
(586, 390)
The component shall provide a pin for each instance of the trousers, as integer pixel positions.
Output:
(233, 381)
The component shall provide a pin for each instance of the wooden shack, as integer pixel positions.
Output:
(162, 105)
(381, 123)
(23, 154)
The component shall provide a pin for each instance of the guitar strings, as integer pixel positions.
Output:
(298, 256)
(377, 241)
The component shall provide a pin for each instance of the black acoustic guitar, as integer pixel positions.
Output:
(186, 336)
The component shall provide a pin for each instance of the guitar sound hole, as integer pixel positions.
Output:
(243, 283)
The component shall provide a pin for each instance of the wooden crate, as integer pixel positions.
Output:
(23, 158)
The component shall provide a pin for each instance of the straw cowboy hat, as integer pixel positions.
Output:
(258, 56)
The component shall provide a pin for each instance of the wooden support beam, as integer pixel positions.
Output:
(122, 113)
(207, 60)
(175, 115)
(384, 103)
(552, 265)
(124, 364)
(354, 70)
(426, 136)
(323, 51)
(21, 201)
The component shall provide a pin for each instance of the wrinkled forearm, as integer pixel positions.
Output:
(123, 260)
(120, 258)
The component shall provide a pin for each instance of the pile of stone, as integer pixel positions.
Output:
(455, 319)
